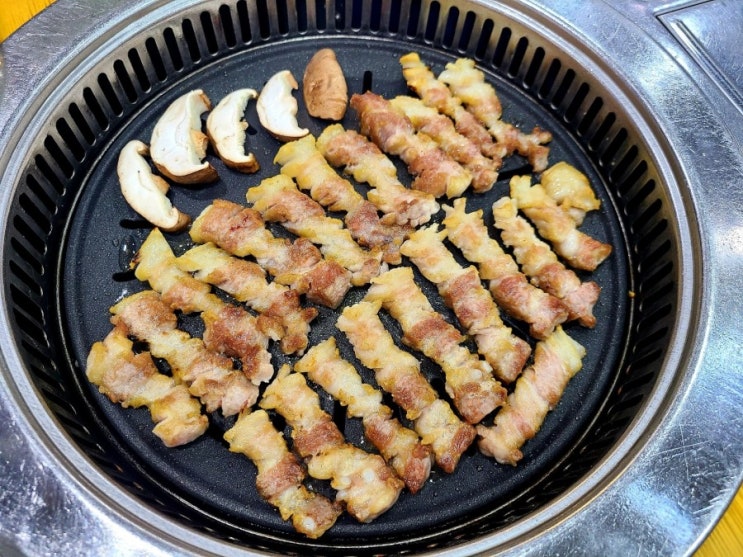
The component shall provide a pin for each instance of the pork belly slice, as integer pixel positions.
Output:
(282, 316)
(398, 373)
(299, 264)
(400, 446)
(441, 129)
(436, 94)
(363, 481)
(580, 250)
(479, 97)
(435, 172)
(556, 360)
(210, 377)
(277, 199)
(230, 330)
(133, 380)
(539, 262)
(469, 380)
(571, 190)
(369, 165)
(280, 474)
(302, 161)
(509, 287)
(473, 305)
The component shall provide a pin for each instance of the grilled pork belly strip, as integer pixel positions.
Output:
(580, 250)
(302, 161)
(398, 373)
(570, 189)
(363, 481)
(441, 129)
(479, 97)
(507, 284)
(400, 446)
(241, 231)
(469, 380)
(539, 262)
(277, 199)
(209, 376)
(556, 360)
(369, 165)
(133, 380)
(472, 304)
(280, 474)
(436, 94)
(281, 315)
(230, 330)
(435, 172)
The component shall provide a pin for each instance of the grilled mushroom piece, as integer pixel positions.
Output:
(226, 127)
(324, 86)
(277, 108)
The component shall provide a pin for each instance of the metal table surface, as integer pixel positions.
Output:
(691, 463)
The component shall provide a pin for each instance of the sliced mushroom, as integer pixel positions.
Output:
(145, 191)
(277, 108)
(226, 127)
(178, 146)
(324, 86)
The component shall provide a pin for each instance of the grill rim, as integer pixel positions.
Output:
(678, 356)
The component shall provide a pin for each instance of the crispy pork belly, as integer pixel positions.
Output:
(369, 165)
(133, 380)
(363, 481)
(281, 315)
(210, 377)
(230, 330)
(436, 94)
(556, 360)
(277, 199)
(539, 262)
(398, 373)
(302, 161)
(400, 446)
(473, 305)
(508, 285)
(241, 231)
(571, 190)
(431, 122)
(580, 250)
(469, 380)
(468, 83)
(280, 474)
(435, 172)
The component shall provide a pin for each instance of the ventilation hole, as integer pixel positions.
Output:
(153, 52)
(550, 79)
(54, 150)
(572, 111)
(484, 41)
(321, 19)
(171, 42)
(95, 108)
(26, 256)
(639, 198)
(414, 18)
(244, 19)
(466, 34)
(339, 15)
(189, 35)
(282, 16)
(24, 277)
(451, 25)
(502, 47)
(614, 147)
(29, 234)
(602, 132)
(562, 90)
(24, 323)
(533, 70)
(658, 230)
(621, 167)
(34, 213)
(660, 290)
(49, 174)
(227, 26)
(375, 17)
(81, 124)
(125, 80)
(518, 57)
(139, 70)
(212, 45)
(366, 83)
(651, 257)
(434, 10)
(656, 275)
(264, 22)
(301, 15)
(356, 15)
(394, 17)
(70, 140)
(110, 95)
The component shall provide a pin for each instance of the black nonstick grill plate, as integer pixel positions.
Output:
(95, 235)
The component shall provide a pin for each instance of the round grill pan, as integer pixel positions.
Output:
(71, 237)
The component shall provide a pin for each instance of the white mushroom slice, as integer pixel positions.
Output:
(226, 127)
(178, 146)
(277, 108)
(145, 191)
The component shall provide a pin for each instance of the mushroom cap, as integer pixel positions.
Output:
(178, 146)
(226, 127)
(145, 191)
(277, 108)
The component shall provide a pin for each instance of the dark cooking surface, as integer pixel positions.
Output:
(104, 232)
